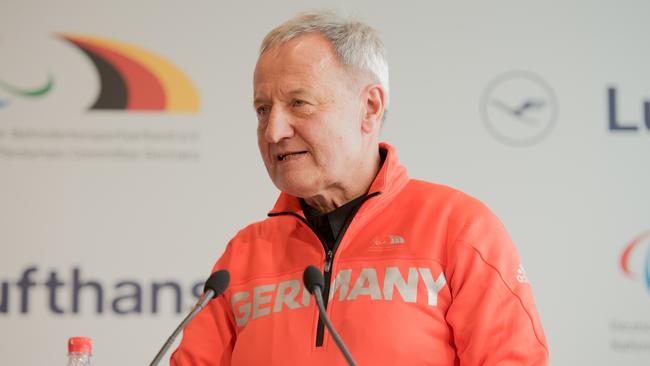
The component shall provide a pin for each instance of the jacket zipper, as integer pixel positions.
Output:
(328, 261)
(329, 257)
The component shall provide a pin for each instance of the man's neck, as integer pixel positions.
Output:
(340, 195)
(325, 204)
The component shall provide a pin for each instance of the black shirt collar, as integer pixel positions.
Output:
(329, 224)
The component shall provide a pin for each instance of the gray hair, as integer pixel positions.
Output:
(356, 44)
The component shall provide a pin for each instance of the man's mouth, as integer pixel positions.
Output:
(290, 155)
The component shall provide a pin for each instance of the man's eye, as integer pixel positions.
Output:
(298, 103)
(262, 110)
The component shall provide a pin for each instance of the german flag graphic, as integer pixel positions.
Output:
(135, 79)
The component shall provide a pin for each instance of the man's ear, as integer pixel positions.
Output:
(374, 108)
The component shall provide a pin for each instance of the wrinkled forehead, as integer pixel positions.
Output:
(310, 56)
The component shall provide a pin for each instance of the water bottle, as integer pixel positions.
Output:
(79, 351)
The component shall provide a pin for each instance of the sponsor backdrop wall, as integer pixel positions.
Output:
(128, 157)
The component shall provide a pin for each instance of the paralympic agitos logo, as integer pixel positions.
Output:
(635, 258)
(130, 77)
(25, 92)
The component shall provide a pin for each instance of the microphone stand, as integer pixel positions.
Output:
(207, 296)
(337, 338)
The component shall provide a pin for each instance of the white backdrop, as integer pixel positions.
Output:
(131, 199)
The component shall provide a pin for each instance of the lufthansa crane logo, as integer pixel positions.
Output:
(518, 108)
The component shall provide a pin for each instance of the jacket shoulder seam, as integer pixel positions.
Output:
(521, 303)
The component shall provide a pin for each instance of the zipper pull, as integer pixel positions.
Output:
(328, 261)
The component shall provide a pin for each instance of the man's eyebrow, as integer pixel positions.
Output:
(258, 100)
(299, 91)
(294, 92)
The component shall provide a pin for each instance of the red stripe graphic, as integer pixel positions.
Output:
(625, 257)
(145, 92)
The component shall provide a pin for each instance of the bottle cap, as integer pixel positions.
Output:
(80, 345)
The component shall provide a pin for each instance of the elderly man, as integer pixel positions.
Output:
(415, 273)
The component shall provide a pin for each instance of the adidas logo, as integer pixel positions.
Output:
(521, 274)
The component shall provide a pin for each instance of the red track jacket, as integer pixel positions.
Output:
(424, 275)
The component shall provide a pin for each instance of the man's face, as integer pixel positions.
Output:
(309, 117)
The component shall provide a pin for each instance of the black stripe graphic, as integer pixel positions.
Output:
(113, 93)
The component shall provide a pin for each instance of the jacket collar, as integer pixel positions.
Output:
(391, 178)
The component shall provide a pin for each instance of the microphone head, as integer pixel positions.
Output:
(218, 282)
(312, 277)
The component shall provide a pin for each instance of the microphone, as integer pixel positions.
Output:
(214, 286)
(314, 283)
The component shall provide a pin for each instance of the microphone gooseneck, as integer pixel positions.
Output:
(314, 283)
(214, 286)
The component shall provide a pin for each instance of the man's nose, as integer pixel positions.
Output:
(278, 126)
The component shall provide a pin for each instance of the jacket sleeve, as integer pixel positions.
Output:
(209, 338)
(492, 315)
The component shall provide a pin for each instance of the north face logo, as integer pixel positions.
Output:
(388, 240)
